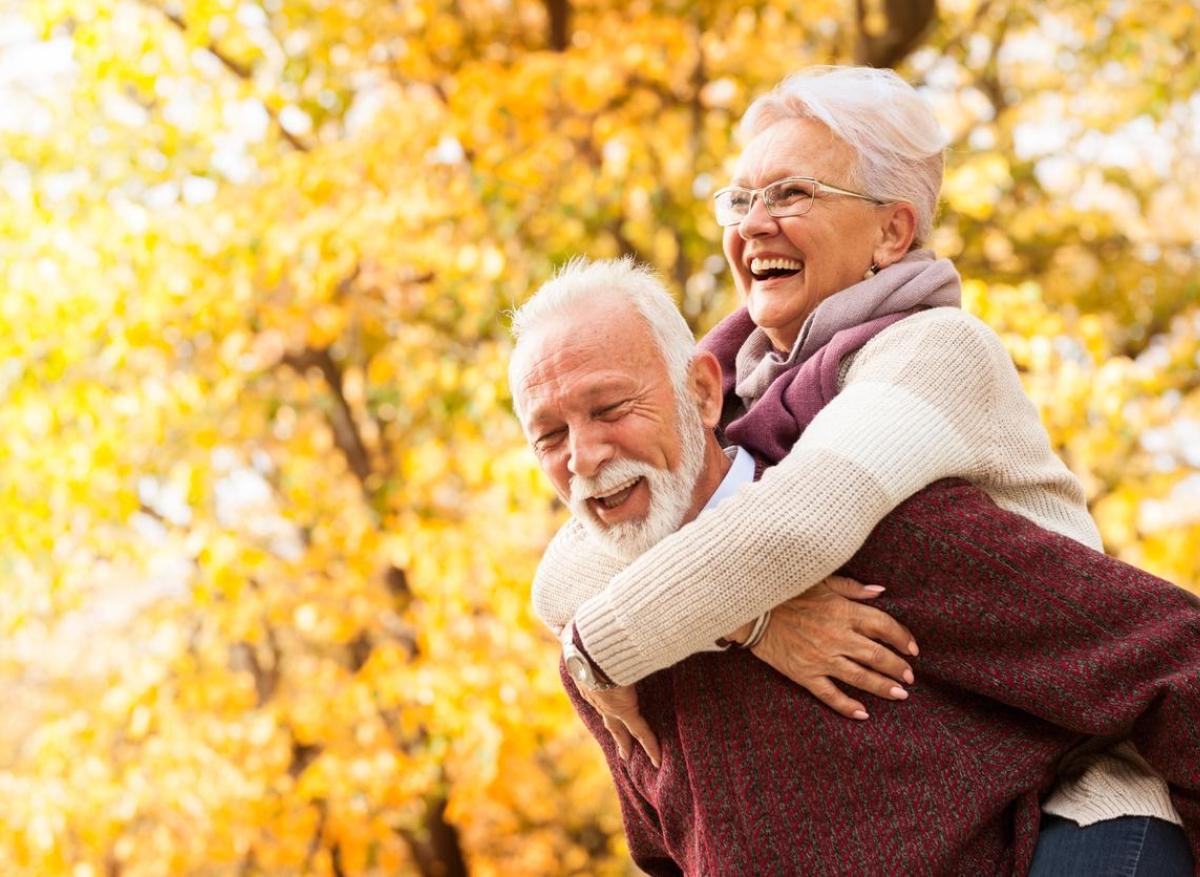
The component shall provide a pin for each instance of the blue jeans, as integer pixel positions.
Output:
(1131, 846)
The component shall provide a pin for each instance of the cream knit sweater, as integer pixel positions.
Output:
(933, 396)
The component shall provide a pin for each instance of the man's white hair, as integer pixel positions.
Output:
(896, 138)
(617, 281)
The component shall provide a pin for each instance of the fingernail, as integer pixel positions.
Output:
(878, 589)
(861, 715)
(912, 648)
(908, 677)
(624, 755)
(657, 764)
(898, 693)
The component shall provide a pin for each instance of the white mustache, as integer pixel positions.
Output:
(614, 474)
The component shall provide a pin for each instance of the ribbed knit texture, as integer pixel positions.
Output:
(758, 777)
(933, 396)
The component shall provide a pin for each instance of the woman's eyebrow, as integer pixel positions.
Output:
(744, 182)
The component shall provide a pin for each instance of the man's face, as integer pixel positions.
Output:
(601, 413)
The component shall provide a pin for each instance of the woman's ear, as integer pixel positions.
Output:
(897, 230)
(704, 380)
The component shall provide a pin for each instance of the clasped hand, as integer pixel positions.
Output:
(825, 634)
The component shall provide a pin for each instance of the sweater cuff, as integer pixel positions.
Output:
(602, 636)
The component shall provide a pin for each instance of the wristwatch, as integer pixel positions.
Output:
(578, 665)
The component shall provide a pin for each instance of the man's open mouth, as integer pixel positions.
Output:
(766, 269)
(615, 497)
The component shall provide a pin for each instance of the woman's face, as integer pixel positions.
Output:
(823, 251)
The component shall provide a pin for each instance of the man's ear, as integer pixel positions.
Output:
(897, 230)
(704, 380)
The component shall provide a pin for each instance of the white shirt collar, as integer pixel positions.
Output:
(740, 472)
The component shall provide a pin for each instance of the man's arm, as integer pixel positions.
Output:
(926, 399)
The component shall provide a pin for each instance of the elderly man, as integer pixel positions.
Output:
(1033, 642)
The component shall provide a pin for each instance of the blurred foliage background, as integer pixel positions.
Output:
(266, 522)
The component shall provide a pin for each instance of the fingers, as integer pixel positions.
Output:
(858, 676)
(625, 724)
(879, 625)
(881, 659)
(641, 732)
(620, 735)
(830, 695)
(852, 589)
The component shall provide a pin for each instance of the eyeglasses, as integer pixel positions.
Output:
(791, 196)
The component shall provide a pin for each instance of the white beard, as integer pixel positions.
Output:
(671, 492)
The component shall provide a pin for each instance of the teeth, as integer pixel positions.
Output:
(760, 266)
(623, 486)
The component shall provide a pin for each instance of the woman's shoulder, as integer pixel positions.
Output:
(952, 322)
(942, 347)
(949, 334)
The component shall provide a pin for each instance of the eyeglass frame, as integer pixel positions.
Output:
(818, 187)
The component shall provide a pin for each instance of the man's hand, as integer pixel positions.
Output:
(618, 707)
(824, 635)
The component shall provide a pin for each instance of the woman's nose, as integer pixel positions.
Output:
(757, 221)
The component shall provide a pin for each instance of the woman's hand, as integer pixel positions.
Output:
(824, 634)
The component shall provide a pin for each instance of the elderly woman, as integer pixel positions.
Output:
(830, 204)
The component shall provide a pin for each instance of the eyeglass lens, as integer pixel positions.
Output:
(782, 198)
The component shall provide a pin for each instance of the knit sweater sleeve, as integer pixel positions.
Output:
(573, 568)
(924, 400)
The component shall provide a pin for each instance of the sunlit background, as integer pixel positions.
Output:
(266, 522)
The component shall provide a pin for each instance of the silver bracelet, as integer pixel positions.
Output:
(756, 632)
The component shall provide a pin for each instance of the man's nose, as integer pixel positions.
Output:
(757, 222)
(589, 452)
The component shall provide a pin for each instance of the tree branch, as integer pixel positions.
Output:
(628, 247)
(346, 434)
(237, 68)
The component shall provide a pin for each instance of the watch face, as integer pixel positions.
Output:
(577, 668)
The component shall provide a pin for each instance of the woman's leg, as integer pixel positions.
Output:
(1131, 846)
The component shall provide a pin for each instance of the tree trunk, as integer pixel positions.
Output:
(559, 12)
(439, 853)
(907, 21)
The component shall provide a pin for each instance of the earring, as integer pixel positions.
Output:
(870, 272)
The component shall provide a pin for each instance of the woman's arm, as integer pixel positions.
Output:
(573, 568)
(934, 396)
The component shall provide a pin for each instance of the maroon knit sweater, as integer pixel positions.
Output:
(1030, 642)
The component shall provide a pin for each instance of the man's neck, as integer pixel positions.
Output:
(716, 465)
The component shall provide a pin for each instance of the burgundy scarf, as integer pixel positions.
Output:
(784, 393)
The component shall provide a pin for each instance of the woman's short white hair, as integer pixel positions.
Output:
(892, 130)
(615, 280)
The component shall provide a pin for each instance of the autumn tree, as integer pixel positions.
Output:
(268, 524)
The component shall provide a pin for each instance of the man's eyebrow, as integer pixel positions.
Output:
(616, 389)
(539, 418)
